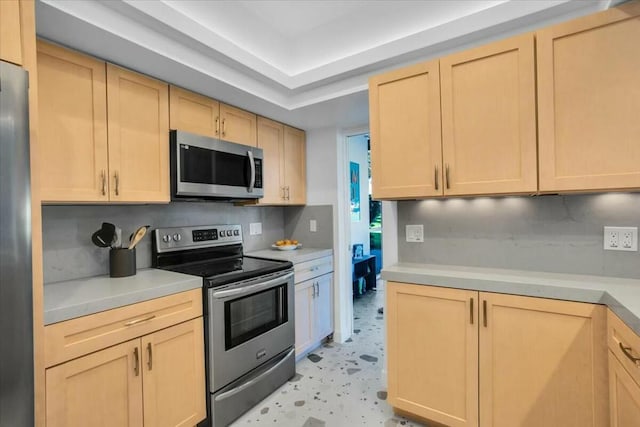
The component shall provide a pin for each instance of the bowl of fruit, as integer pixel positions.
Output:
(286, 245)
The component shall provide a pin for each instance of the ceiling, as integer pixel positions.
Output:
(302, 62)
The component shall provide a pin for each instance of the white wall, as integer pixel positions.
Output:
(358, 153)
(326, 184)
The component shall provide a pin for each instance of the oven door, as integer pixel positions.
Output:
(249, 323)
(204, 167)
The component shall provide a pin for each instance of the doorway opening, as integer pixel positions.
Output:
(365, 219)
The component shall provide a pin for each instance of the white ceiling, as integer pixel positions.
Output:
(303, 62)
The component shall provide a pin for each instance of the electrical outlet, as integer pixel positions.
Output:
(255, 228)
(621, 238)
(414, 233)
(313, 225)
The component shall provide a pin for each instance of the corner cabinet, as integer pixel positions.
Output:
(588, 102)
(284, 150)
(313, 303)
(461, 125)
(201, 115)
(495, 360)
(157, 379)
(624, 373)
(87, 158)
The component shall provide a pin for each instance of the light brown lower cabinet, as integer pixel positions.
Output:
(156, 380)
(466, 358)
(624, 373)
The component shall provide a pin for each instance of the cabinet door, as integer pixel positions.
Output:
(323, 306)
(72, 101)
(101, 389)
(10, 37)
(193, 113)
(624, 396)
(489, 119)
(588, 102)
(174, 377)
(237, 125)
(542, 362)
(432, 351)
(304, 301)
(295, 166)
(406, 143)
(138, 109)
(271, 140)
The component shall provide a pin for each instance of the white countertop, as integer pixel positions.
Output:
(622, 296)
(296, 256)
(76, 298)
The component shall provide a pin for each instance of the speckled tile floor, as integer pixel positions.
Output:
(337, 385)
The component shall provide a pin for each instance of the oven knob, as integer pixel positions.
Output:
(223, 233)
(236, 232)
(177, 237)
(166, 238)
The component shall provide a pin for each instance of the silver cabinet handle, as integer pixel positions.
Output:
(627, 352)
(484, 312)
(136, 361)
(446, 175)
(136, 321)
(252, 163)
(117, 181)
(150, 354)
(288, 194)
(224, 127)
(283, 193)
(435, 175)
(318, 285)
(471, 309)
(103, 178)
(217, 125)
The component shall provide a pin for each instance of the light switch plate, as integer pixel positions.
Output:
(255, 228)
(313, 225)
(414, 233)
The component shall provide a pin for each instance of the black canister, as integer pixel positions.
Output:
(122, 262)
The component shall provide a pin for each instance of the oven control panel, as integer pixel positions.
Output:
(181, 238)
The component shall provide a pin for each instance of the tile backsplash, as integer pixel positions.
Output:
(68, 252)
(562, 234)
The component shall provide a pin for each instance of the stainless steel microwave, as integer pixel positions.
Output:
(208, 168)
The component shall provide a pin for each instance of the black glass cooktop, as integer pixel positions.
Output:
(222, 271)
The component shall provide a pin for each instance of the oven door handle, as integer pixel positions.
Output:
(252, 288)
(254, 380)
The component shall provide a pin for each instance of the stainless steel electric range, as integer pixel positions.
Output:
(249, 314)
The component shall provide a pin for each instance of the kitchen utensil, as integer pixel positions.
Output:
(107, 233)
(137, 236)
(117, 239)
(97, 240)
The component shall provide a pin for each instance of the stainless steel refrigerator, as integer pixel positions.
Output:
(16, 303)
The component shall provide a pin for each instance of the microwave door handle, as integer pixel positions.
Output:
(252, 180)
(252, 288)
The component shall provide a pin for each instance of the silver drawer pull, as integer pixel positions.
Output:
(136, 321)
(627, 352)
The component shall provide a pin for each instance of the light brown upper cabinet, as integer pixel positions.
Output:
(406, 147)
(284, 150)
(10, 32)
(588, 102)
(86, 158)
(489, 119)
(72, 103)
(201, 115)
(138, 111)
(463, 125)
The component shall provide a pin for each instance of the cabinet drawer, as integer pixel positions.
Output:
(76, 337)
(620, 335)
(314, 268)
